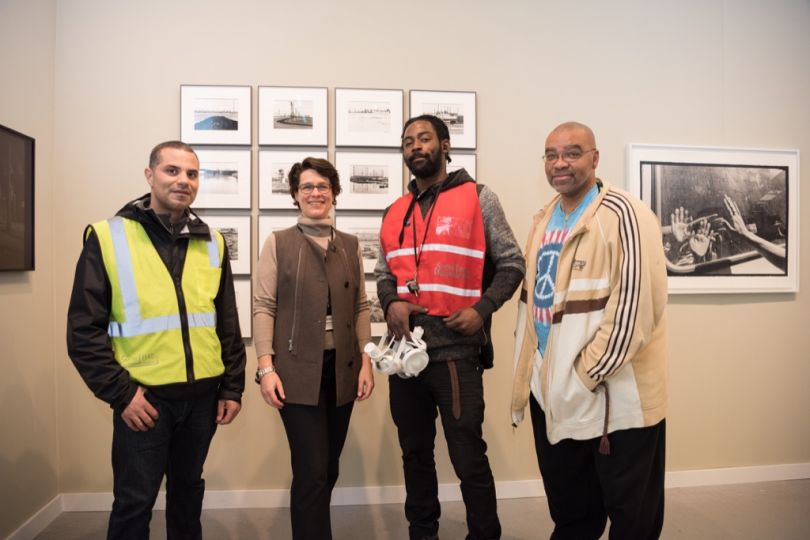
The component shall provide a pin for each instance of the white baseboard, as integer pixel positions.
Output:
(37, 523)
(342, 496)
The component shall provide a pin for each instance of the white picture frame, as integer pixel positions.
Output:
(368, 180)
(457, 109)
(292, 116)
(368, 117)
(273, 222)
(243, 289)
(464, 161)
(215, 114)
(236, 232)
(378, 324)
(688, 188)
(274, 170)
(225, 178)
(367, 230)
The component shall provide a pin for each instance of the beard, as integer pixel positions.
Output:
(428, 167)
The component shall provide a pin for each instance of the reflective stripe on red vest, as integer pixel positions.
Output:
(451, 261)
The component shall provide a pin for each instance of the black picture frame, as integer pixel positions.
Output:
(16, 200)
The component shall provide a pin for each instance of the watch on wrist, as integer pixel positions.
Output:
(262, 372)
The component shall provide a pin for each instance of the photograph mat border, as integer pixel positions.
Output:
(344, 159)
(282, 201)
(269, 135)
(699, 155)
(190, 135)
(239, 286)
(391, 139)
(242, 265)
(467, 141)
(240, 200)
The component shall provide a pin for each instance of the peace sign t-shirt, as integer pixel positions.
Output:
(547, 256)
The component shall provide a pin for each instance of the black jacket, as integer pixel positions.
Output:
(90, 347)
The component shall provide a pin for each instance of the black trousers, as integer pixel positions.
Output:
(454, 389)
(584, 487)
(316, 435)
(176, 447)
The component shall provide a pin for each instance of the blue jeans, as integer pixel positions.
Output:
(176, 447)
(454, 390)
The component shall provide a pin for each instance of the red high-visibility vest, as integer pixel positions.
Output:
(451, 255)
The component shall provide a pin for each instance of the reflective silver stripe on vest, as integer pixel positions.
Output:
(213, 251)
(437, 287)
(135, 326)
(445, 248)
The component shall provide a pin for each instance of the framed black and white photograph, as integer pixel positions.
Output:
(292, 116)
(243, 288)
(367, 231)
(729, 216)
(272, 223)
(215, 114)
(462, 161)
(457, 109)
(224, 179)
(236, 232)
(16, 200)
(368, 180)
(371, 118)
(274, 170)
(378, 324)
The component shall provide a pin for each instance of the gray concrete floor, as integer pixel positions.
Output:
(772, 510)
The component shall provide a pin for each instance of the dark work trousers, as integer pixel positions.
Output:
(316, 435)
(584, 487)
(456, 389)
(177, 447)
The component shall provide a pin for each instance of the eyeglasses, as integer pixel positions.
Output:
(307, 189)
(568, 156)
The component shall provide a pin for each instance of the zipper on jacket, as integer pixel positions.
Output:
(295, 300)
(181, 304)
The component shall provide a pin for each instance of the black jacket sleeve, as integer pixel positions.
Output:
(89, 346)
(230, 336)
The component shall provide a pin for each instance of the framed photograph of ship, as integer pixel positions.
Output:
(271, 223)
(215, 114)
(729, 216)
(378, 325)
(243, 288)
(462, 161)
(16, 200)
(371, 118)
(236, 232)
(367, 231)
(292, 116)
(368, 180)
(274, 168)
(457, 109)
(224, 179)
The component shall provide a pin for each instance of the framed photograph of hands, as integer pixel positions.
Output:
(729, 216)
(457, 109)
(215, 114)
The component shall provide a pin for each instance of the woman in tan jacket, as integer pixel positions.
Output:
(311, 322)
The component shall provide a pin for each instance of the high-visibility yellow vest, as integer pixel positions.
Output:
(146, 325)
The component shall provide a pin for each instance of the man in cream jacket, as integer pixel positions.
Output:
(591, 354)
